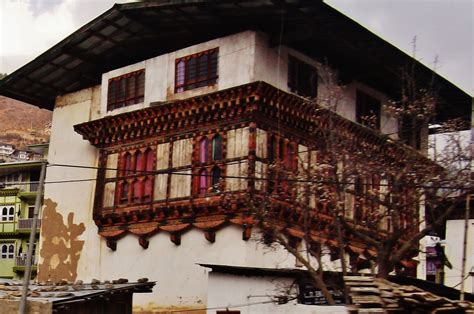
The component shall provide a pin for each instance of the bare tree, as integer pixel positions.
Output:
(360, 193)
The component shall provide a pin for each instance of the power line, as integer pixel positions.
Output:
(178, 172)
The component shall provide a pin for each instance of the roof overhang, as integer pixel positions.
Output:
(132, 32)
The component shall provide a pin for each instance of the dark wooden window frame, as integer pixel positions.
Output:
(126, 90)
(368, 108)
(196, 70)
(302, 78)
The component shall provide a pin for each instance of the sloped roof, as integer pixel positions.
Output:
(132, 32)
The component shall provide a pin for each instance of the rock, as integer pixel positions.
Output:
(142, 280)
(95, 282)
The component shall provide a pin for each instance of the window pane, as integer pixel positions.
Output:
(216, 175)
(124, 192)
(203, 149)
(203, 181)
(139, 162)
(217, 148)
(150, 159)
(148, 189)
(137, 190)
(191, 70)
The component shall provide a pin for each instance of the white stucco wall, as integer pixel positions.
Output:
(251, 294)
(243, 58)
(453, 250)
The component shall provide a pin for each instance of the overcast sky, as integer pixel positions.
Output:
(443, 29)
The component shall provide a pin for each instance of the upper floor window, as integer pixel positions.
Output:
(367, 110)
(302, 78)
(196, 70)
(8, 213)
(126, 90)
(8, 251)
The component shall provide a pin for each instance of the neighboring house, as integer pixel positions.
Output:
(459, 145)
(178, 103)
(18, 190)
(6, 150)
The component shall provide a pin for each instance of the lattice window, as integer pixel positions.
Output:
(210, 163)
(126, 90)
(196, 70)
(136, 176)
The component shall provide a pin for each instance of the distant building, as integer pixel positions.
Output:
(18, 189)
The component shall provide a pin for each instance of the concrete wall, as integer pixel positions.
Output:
(244, 57)
(453, 250)
(255, 295)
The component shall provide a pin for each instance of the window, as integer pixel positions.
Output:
(8, 213)
(126, 90)
(367, 110)
(302, 78)
(210, 163)
(196, 70)
(282, 152)
(8, 251)
(136, 172)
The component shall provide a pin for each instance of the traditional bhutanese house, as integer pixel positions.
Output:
(167, 117)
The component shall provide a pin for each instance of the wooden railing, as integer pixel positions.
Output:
(27, 223)
(21, 260)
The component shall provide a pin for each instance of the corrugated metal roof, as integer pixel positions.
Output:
(59, 293)
(132, 32)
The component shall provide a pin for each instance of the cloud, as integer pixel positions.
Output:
(26, 32)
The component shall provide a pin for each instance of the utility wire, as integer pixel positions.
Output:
(177, 172)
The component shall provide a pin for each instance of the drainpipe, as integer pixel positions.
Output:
(38, 201)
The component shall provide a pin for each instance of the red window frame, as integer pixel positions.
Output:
(197, 70)
(209, 163)
(126, 90)
(136, 177)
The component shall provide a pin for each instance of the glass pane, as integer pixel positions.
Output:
(203, 148)
(216, 175)
(180, 73)
(217, 148)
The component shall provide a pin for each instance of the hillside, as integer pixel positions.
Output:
(22, 124)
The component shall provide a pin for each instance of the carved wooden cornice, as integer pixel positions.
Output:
(256, 101)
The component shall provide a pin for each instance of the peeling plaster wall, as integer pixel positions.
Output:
(69, 204)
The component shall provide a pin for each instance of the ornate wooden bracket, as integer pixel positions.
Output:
(247, 232)
(175, 238)
(210, 235)
(111, 244)
(143, 242)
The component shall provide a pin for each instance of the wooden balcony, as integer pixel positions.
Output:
(20, 264)
(25, 224)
